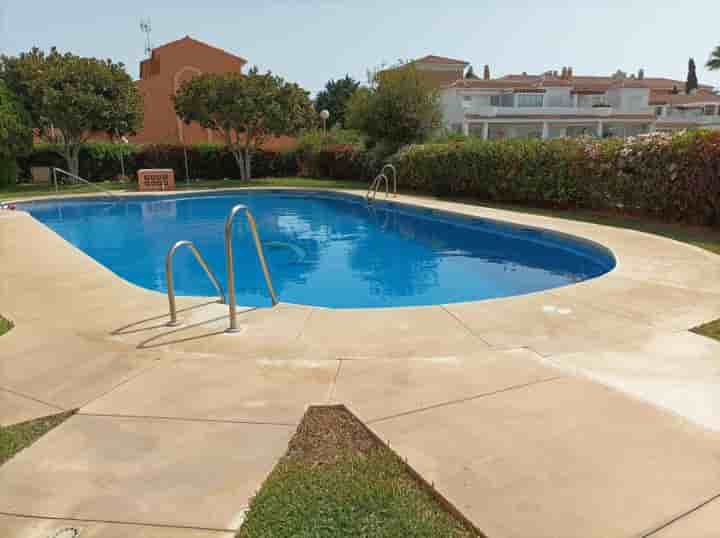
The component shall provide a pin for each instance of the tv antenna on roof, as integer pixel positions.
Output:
(146, 28)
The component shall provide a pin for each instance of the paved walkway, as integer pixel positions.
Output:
(584, 411)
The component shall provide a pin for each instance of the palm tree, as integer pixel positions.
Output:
(714, 62)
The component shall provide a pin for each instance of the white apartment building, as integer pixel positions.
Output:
(552, 105)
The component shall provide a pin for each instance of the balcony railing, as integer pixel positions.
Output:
(599, 112)
(691, 116)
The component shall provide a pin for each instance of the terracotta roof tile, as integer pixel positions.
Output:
(188, 39)
(432, 59)
(682, 99)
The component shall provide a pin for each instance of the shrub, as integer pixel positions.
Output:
(101, 160)
(338, 154)
(8, 172)
(674, 177)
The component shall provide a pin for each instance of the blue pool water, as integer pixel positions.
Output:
(323, 249)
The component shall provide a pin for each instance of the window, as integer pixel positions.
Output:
(505, 99)
(467, 101)
(456, 128)
(709, 110)
(530, 100)
(598, 100)
(658, 111)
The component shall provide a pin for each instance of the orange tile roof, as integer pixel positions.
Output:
(432, 59)
(189, 39)
(682, 99)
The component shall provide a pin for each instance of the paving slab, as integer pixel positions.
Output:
(151, 472)
(71, 374)
(545, 322)
(388, 333)
(565, 458)
(663, 306)
(263, 390)
(704, 522)
(15, 408)
(264, 332)
(32, 527)
(377, 388)
(677, 371)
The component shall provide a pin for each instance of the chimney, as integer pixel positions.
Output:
(564, 73)
(641, 74)
(570, 72)
(486, 72)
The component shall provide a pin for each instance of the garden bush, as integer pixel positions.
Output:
(101, 161)
(673, 177)
(8, 172)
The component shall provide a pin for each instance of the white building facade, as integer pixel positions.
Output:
(551, 106)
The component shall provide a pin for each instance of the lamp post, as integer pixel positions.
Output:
(324, 115)
(125, 141)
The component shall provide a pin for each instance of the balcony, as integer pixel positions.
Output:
(688, 116)
(586, 112)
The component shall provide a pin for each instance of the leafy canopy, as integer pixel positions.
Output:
(714, 62)
(246, 109)
(15, 132)
(334, 99)
(70, 98)
(399, 107)
(692, 81)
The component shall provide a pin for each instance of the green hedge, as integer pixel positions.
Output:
(8, 172)
(101, 161)
(674, 177)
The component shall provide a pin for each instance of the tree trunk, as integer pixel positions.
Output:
(248, 167)
(71, 154)
(240, 160)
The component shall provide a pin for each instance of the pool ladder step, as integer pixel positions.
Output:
(382, 178)
(229, 258)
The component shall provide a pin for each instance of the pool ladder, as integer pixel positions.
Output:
(229, 257)
(380, 178)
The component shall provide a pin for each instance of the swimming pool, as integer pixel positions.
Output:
(323, 249)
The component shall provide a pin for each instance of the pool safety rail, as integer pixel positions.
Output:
(78, 181)
(169, 274)
(379, 179)
(229, 256)
(230, 265)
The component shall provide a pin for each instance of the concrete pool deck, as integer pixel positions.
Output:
(588, 410)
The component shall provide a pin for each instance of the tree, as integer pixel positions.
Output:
(714, 62)
(15, 132)
(70, 98)
(399, 107)
(334, 99)
(245, 109)
(470, 74)
(692, 82)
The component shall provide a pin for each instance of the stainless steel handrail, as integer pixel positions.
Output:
(78, 178)
(171, 283)
(372, 191)
(230, 264)
(394, 174)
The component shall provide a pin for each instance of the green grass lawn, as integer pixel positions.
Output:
(337, 480)
(19, 436)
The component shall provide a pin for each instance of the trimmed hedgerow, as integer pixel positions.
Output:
(674, 177)
(101, 161)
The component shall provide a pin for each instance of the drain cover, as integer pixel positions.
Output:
(68, 532)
